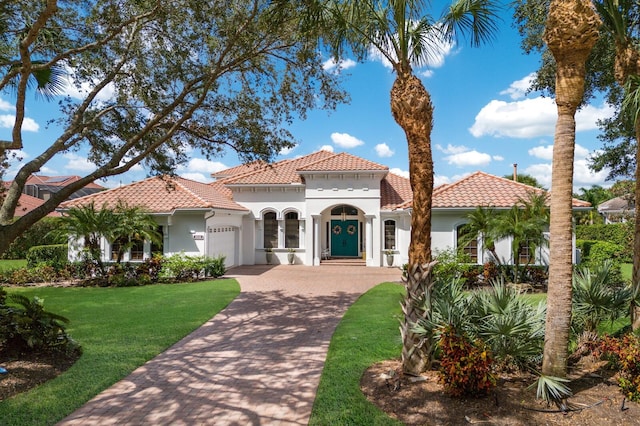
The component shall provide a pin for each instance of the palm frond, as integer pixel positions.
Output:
(552, 389)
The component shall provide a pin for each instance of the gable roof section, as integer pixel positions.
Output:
(616, 205)
(395, 192)
(342, 162)
(283, 172)
(27, 203)
(158, 195)
(485, 190)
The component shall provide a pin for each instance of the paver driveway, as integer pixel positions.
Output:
(258, 362)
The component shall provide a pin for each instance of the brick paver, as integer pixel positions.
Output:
(258, 362)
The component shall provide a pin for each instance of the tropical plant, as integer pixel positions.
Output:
(132, 224)
(595, 299)
(30, 328)
(511, 327)
(89, 225)
(404, 33)
(571, 31)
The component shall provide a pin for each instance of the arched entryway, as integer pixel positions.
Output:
(344, 236)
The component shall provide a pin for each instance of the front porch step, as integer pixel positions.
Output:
(344, 261)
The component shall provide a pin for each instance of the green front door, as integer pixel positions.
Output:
(344, 238)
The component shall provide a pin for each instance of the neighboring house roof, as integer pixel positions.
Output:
(58, 181)
(485, 190)
(161, 195)
(27, 203)
(616, 206)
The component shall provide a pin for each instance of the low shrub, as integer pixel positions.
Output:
(465, 365)
(616, 233)
(188, 268)
(624, 355)
(451, 265)
(53, 255)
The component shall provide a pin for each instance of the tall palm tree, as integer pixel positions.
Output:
(570, 33)
(406, 35)
(621, 19)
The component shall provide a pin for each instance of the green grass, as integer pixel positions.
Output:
(367, 333)
(12, 263)
(119, 330)
(626, 269)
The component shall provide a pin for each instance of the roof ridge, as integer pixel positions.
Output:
(333, 154)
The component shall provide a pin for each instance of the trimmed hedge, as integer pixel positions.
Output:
(53, 255)
(620, 234)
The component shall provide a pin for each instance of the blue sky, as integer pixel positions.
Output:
(483, 120)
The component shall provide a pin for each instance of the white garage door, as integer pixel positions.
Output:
(222, 242)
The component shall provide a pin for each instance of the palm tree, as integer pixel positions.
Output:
(620, 20)
(132, 224)
(481, 225)
(571, 31)
(406, 35)
(90, 225)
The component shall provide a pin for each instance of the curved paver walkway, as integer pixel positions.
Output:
(258, 362)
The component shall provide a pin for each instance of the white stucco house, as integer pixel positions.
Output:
(322, 206)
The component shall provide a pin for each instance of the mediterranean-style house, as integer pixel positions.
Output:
(321, 206)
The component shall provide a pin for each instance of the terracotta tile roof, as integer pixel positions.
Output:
(342, 162)
(395, 191)
(239, 170)
(483, 189)
(58, 181)
(27, 203)
(282, 172)
(158, 195)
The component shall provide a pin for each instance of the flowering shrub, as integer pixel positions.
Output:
(624, 355)
(465, 366)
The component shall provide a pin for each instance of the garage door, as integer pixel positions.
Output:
(222, 242)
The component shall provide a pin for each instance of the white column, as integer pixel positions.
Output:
(369, 239)
(316, 240)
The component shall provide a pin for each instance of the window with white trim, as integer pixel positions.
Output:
(471, 248)
(270, 231)
(389, 234)
(291, 230)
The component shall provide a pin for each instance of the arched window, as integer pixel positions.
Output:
(291, 230)
(270, 230)
(389, 234)
(471, 248)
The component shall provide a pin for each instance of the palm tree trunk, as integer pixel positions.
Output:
(571, 31)
(412, 109)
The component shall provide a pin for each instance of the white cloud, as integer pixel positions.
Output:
(530, 118)
(542, 152)
(542, 173)
(326, 148)
(469, 158)
(200, 169)
(398, 171)
(6, 106)
(440, 180)
(518, 88)
(383, 150)
(287, 151)
(452, 149)
(345, 140)
(497, 158)
(28, 124)
(343, 64)
(76, 162)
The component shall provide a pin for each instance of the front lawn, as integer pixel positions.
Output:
(12, 264)
(119, 329)
(367, 333)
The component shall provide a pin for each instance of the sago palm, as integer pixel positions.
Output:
(406, 35)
